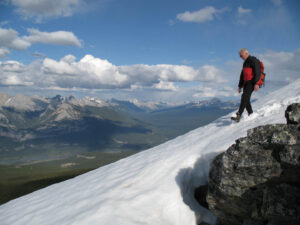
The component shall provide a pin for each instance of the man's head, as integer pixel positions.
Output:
(244, 53)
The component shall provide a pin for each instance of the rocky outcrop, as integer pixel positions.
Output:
(292, 114)
(257, 180)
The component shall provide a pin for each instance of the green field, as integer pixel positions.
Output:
(19, 180)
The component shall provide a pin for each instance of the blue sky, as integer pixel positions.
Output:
(167, 50)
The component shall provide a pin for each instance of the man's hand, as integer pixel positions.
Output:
(239, 90)
(256, 87)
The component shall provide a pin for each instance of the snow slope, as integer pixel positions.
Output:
(151, 187)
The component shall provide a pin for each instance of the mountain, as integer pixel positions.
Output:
(155, 186)
(35, 128)
(180, 119)
(152, 106)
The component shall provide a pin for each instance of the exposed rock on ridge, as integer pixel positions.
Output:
(292, 114)
(256, 181)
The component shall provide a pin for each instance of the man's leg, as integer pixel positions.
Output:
(248, 103)
(245, 100)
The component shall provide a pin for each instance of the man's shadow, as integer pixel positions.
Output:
(188, 179)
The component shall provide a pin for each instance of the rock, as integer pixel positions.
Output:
(292, 114)
(280, 200)
(276, 134)
(256, 181)
(200, 195)
(281, 221)
(252, 222)
(203, 223)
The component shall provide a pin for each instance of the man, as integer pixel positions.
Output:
(248, 81)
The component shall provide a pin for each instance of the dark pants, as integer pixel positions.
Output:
(245, 100)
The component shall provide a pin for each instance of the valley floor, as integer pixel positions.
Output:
(19, 180)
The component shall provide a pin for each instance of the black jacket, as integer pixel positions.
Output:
(253, 63)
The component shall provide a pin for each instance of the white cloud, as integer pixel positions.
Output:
(38, 54)
(149, 74)
(55, 38)
(4, 52)
(281, 66)
(96, 73)
(242, 11)
(11, 73)
(243, 15)
(212, 91)
(203, 15)
(89, 72)
(45, 9)
(12, 66)
(10, 39)
(51, 66)
(157, 81)
(5, 22)
(165, 86)
(11, 80)
(69, 59)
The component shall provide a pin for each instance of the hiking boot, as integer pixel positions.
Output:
(237, 118)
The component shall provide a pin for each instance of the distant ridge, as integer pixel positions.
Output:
(62, 126)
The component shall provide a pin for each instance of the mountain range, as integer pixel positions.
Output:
(37, 128)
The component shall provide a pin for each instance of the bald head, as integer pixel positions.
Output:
(244, 53)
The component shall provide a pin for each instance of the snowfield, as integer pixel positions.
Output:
(154, 187)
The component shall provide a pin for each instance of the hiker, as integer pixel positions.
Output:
(249, 77)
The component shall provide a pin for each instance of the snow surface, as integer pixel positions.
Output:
(152, 187)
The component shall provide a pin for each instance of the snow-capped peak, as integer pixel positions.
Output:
(151, 105)
(21, 102)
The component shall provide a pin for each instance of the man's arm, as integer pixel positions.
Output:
(241, 82)
(256, 70)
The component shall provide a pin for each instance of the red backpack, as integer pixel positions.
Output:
(261, 81)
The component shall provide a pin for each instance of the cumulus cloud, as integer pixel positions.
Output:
(55, 38)
(10, 39)
(12, 66)
(242, 11)
(11, 80)
(282, 67)
(209, 92)
(4, 52)
(47, 9)
(95, 73)
(243, 15)
(5, 22)
(162, 81)
(89, 72)
(203, 15)
(11, 73)
(146, 75)
(165, 86)
(38, 54)
(92, 73)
